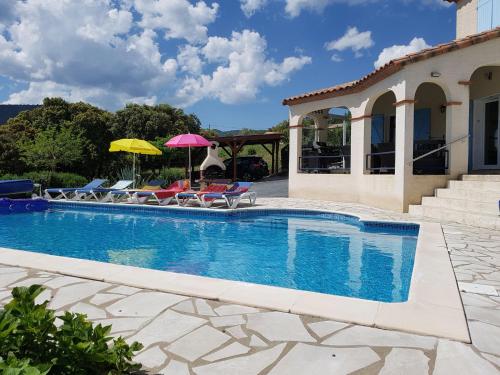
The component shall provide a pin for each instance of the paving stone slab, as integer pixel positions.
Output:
(198, 343)
(278, 326)
(361, 335)
(235, 310)
(185, 306)
(103, 298)
(167, 327)
(251, 364)
(125, 290)
(123, 324)
(459, 359)
(405, 361)
(204, 308)
(256, 341)
(326, 328)
(175, 368)
(73, 293)
(477, 288)
(231, 350)
(151, 358)
(226, 321)
(486, 337)
(61, 281)
(10, 278)
(320, 360)
(144, 304)
(91, 311)
(236, 332)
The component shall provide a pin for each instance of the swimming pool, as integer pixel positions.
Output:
(320, 252)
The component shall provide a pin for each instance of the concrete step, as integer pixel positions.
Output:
(462, 205)
(475, 195)
(481, 177)
(493, 186)
(482, 220)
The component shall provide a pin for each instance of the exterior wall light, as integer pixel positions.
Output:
(435, 74)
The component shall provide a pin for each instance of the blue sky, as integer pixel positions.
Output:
(231, 62)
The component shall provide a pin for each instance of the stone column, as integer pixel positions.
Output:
(457, 126)
(404, 149)
(295, 144)
(360, 144)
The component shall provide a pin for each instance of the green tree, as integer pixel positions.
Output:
(53, 148)
(282, 127)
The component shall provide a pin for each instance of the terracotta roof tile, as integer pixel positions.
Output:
(392, 67)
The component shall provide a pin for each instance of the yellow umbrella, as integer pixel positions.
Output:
(135, 146)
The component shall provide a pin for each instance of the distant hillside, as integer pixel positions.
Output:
(227, 133)
(8, 111)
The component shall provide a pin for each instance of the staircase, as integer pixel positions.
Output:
(472, 201)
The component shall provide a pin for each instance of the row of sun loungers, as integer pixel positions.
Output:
(230, 195)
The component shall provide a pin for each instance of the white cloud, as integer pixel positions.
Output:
(249, 7)
(336, 58)
(294, 8)
(396, 51)
(106, 52)
(189, 60)
(353, 40)
(244, 69)
(178, 18)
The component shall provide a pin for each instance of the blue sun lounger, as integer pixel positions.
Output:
(119, 196)
(65, 193)
(99, 193)
(232, 196)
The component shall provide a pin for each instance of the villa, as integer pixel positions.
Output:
(415, 124)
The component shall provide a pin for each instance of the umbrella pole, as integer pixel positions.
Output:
(133, 172)
(189, 172)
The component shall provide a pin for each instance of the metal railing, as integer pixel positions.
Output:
(325, 164)
(438, 149)
(390, 167)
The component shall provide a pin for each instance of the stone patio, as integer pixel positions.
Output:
(184, 335)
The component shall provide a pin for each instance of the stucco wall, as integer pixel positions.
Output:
(481, 86)
(466, 18)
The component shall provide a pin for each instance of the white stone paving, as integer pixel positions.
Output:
(184, 335)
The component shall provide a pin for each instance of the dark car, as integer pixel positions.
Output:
(249, 168)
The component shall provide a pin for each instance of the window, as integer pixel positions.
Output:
(488, 15)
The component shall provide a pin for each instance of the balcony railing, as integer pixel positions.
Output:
(325, 164)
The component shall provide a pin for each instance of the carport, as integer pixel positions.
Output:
(232, 145)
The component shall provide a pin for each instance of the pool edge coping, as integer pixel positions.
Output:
(434, 306)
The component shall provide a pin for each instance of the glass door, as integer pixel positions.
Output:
(491, 134)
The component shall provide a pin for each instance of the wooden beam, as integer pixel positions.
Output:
(273, 171)
(227, 151)
(265, 148)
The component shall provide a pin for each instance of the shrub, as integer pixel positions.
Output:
(172, 174)
(47, 180)
(31, 343)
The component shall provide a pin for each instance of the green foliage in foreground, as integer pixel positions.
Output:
(31, 343)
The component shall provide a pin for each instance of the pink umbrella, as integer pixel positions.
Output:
(188, 140)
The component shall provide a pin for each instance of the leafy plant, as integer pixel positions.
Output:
(53, 147)
(31, 343)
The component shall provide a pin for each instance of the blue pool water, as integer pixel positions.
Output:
(325, 253)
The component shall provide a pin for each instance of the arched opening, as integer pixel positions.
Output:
(326, 142)
(485, 125)
(382, 158)
(429, 130)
